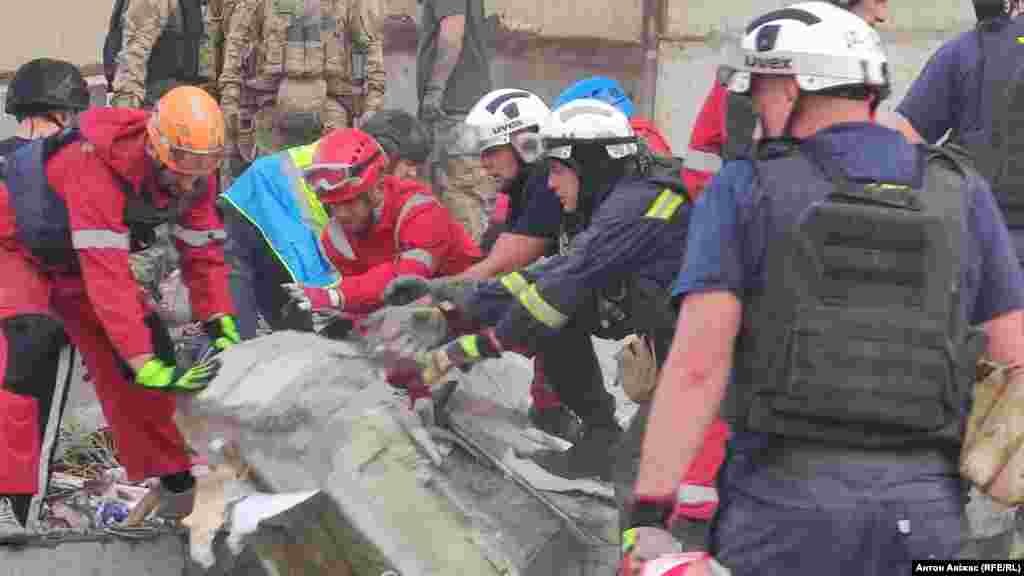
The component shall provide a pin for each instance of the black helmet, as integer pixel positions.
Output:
(46, 85)
(400, 134)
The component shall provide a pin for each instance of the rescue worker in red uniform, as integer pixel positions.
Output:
(381, 227)
(74, 207)
(44, 96)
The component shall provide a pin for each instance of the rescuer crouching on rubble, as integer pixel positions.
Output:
(623, 232)
(381, 228)
(274, 219)
(75, 205)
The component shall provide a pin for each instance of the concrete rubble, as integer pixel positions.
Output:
(328, 477)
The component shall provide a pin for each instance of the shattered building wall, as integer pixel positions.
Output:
(541, 45)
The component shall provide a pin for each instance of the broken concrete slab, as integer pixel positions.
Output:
(313, 415)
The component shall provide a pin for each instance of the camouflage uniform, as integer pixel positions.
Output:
(216, 16)
(455, 171)
(144, 22)
(271, 42)
(458, 179)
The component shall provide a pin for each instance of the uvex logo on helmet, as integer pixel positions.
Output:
(775, 63)
(508, 127)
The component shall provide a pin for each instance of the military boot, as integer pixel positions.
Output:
(589, 457)
(557, 421)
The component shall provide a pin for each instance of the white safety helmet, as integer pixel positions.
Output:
(822, 45)
(507, 116)
(588, 121)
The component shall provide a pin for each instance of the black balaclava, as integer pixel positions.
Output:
(598, 173)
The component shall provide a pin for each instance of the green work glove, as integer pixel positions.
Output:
(156, 375)
(461, 353)
(222, 331)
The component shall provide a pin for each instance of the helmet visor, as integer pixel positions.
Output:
(530, 146)
(201, 162)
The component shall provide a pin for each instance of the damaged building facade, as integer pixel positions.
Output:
(543, 46)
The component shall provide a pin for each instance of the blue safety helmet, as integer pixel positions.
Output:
(600, 88)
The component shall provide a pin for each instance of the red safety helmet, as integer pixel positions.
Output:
(348, 163)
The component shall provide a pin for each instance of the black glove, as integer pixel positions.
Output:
(295, 316)
(338, 328)
(430, 110)
(405, 290)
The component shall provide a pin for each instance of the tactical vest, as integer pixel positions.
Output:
(175, 56)
(856, 334)
(299, 41)
(997, 148)
(41, 216)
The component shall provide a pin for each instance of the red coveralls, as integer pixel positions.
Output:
(706, 140)
(412, 235)
(102, 306)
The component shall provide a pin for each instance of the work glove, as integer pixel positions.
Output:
(430, 110)
(314, 299)
(223, 331)
(427, 369)
(405, 290)
(644, 543)
(157, 375)
(338, 328)
(405, 331)
(992, 456)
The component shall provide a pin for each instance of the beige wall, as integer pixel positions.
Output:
(67, 29)
(74, 29)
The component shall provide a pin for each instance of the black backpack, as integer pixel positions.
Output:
(663, 171)
(175, 56)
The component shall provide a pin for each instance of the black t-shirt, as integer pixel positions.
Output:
(535, 210)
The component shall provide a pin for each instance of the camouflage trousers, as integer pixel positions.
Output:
(242, 148)
(458, 179)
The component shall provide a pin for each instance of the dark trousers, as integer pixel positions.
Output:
(256, 277)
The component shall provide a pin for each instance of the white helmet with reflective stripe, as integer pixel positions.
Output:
(500, 115)
(821, 45)
(588, 121)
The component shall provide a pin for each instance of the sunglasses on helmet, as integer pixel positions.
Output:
(327, 177)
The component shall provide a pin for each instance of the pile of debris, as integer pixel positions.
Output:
(317, 467)
(87, 496)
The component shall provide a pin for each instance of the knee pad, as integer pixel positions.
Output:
(33, 345)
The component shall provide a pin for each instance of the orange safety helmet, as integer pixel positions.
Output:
(187, 131)
(348, 163)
